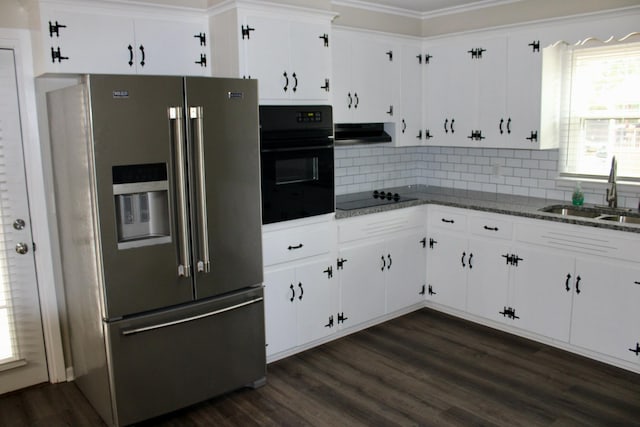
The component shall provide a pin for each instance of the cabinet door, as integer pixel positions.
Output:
(543, 285)
(310, 60)
(409, 119)
(406, 270)
(449, 88)
(490, 106)
(169, 48)
(315, 303)
(488, 278)
(266, 56)
(372, 80)
(605, 311)
(362, 282)
(280, 296)
(447, 270)
(524, 89)
(341, 78)
(88, 43)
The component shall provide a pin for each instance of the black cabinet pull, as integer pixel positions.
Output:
(326, 85)
(390, 261)
(130, 55)
(55, 28)
(509, 125)
(566, 283)
(350, 99)
(469, 261)
(293, 293)
(446, 122)
(451, 126)
(448, 221)
(578, 284)
(500, 126)
(404, 126)
(355, 95)
(295, 80)
(295, 247)
(202, 37)
(490, 228)
(143, 56)
(464, 254)
(636, 282)
(286, 84)
(301, 290)
(384, 263)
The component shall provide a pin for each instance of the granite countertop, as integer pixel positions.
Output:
(477, 200)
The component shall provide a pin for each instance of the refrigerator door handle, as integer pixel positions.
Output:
(176, 120)
(190, 319)
(203, 263)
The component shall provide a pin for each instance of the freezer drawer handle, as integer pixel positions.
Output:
(192, 318)
(204, 262)
(175, 117)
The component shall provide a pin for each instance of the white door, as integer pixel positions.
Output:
(22, 354)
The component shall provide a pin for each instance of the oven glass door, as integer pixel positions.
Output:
(296, 183)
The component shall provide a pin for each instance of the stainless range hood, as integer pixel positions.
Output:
(360, 133)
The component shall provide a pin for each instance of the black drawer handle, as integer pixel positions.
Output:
(301, 290)
(490, 228)
(295, 247)
(448, 221)
(293, 293)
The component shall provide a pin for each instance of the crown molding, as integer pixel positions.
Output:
(408, 13)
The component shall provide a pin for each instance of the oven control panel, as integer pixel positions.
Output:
(309, 116)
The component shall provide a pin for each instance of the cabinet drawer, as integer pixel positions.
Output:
(379, 224)
(491, 226)
(295, 243)
(448, 218)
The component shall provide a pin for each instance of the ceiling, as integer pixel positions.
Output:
(428, 7)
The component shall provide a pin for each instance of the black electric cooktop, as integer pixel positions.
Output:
(377, 198)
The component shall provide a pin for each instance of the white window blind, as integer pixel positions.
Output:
(601, 110)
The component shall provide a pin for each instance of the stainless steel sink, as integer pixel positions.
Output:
(625, 219)
(621, 215)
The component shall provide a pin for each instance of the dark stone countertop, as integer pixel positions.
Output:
(528, 207)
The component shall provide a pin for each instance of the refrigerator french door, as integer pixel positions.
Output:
(157, 188)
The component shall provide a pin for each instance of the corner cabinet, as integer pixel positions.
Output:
(287, 50)
(127, 40)
(381, 265)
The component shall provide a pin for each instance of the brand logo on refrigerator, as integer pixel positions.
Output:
(120, 94)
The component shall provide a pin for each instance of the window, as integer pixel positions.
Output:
(601, 111)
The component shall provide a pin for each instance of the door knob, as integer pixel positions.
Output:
(22, 248)
(18, 224)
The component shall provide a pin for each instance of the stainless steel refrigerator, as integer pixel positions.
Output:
(157, 190)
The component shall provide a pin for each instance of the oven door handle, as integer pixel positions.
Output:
(279, 150)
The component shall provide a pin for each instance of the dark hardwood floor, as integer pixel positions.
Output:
(424, 368)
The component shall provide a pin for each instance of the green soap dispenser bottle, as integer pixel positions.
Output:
(578, 196)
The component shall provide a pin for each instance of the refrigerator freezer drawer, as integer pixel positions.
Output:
(165, 361)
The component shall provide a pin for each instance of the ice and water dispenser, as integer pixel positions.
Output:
(141, 195)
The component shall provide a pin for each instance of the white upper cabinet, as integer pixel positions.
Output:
(81, 39)
(363, 81)
(287, 50)
(409, 116)
(291, 59)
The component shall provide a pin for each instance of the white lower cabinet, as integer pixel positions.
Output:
(299, 305)
(381, 264)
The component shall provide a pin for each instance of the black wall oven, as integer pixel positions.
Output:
(296, 151)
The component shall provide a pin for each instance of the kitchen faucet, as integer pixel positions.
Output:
(612, 191)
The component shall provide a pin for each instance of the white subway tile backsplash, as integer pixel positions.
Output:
(519, 172)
